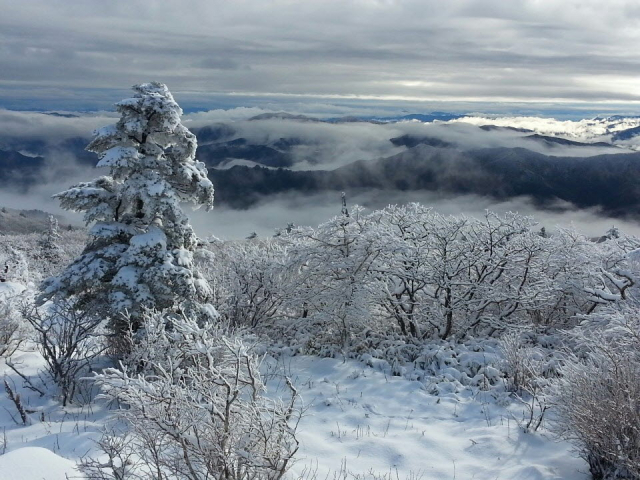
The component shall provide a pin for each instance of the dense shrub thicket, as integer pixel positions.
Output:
(412, 272)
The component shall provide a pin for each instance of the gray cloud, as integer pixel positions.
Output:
(414, 50)
(327, 146)
(32, 125)
(217, 63)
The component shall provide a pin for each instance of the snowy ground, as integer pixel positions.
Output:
(390, 425)
(356, 419)
(56, 438)
(9, 289)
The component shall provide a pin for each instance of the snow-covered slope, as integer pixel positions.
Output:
(599, 129)
(26, 221)
(36, 463)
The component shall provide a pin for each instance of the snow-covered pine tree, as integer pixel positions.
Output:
(612, 233)
(49, 249)
(140, 253)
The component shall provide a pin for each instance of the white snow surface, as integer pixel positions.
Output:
(371, 422)
(36, 463)
(586, 130)
(241, 162)
(10, 289)
(355, 417)
(46, 449)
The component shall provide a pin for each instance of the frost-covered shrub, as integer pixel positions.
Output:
(70, 245)
(49, 243)
(460, 276)
(197, 409)
(456, 276)
(333, 266)
(13, 329)
(437, 362)
(69, 339)
(250, 281)
(13, 263)
(597, 397)
(526, 372)
(523, 364)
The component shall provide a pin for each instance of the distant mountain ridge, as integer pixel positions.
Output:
(420, 117)
(608, 182)
(20, 169)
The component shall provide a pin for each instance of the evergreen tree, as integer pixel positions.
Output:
(140, 253)
(49, 249)
(612, 233)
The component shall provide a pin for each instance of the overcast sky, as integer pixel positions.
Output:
(85, 54)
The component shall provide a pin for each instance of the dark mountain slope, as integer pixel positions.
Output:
(606, 181)
(17, 169)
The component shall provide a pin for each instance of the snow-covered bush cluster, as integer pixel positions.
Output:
(197, 410)
(14, 266)
(598, 392)
(25, 260)
(31, 258)
(69, 339)
(13, 331)
(249, 280)
(411, 272)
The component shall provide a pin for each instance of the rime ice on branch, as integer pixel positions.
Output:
(141, 247)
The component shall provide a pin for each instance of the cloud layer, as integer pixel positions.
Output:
(329, 145)
(276, 212)
(56, 52)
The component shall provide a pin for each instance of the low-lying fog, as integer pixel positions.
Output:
(322, 146)
(275, 213)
